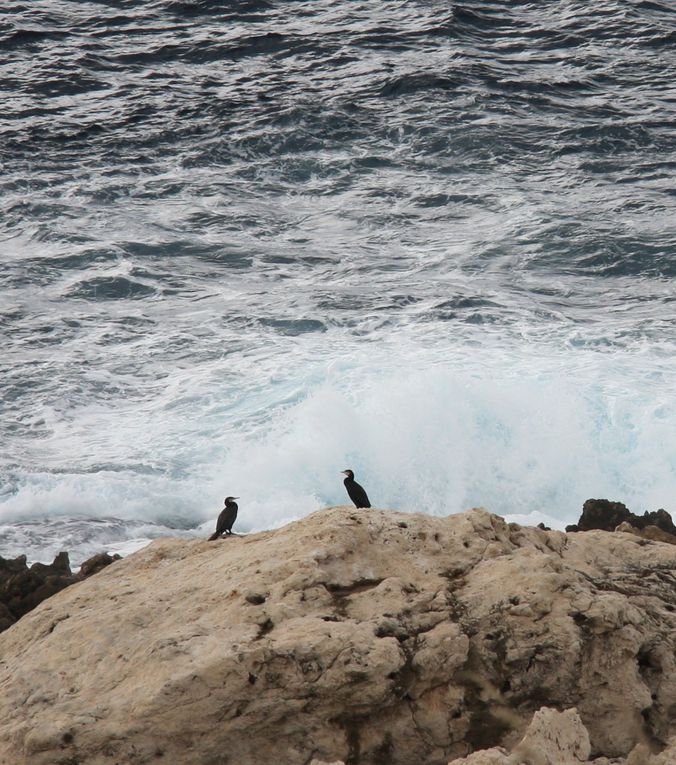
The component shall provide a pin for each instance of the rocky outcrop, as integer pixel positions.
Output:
(23, 588)
(560, 738)
(96, 563)
(557, 738)
(653, 533)
(355, 636)
(604, 515)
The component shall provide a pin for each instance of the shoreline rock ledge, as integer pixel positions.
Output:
(367, 637)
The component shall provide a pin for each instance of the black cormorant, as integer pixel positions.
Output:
(355, 491)
(226, 518)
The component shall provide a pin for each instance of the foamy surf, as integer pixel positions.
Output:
(446, 265)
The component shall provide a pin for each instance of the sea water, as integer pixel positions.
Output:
(245, 246)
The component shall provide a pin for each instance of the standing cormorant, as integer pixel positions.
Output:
(226, 518)
(355, 491)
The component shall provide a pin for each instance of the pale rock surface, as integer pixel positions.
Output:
(648, 532)
(366, 636)
(640, 755)
(554, 738)
(560, 738)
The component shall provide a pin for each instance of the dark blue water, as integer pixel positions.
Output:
(246, 245)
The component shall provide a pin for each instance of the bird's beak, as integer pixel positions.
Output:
(343, 472)
(235, 497)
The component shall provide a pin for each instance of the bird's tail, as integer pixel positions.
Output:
(215, 535)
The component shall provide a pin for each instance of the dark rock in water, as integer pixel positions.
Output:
(97, 562)
(6, 618)
(62, 564)
(605, 515)
(12, 565)
(60, 567)
(23, 588)
(659, 518)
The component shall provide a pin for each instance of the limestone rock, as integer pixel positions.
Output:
(554, 738)
(665, 757)
(560, 738)
(654, 533)
(363, 637)
(493, 756)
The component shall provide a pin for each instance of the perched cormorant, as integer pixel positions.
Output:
(355, 491)
(226, 518)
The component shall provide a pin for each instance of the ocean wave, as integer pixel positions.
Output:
(243, 246)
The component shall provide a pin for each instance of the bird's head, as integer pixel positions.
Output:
(230, 499)
(348, 473)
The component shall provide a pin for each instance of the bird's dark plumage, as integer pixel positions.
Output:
(355, 491)
(226, 519)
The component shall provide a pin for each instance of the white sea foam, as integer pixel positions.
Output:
(527, 432)
(507, 433)
(454, 275)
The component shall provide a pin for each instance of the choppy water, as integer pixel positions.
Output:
(246, 245)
